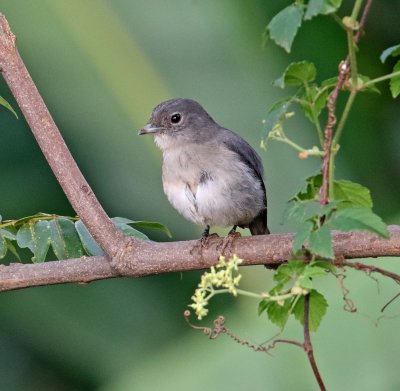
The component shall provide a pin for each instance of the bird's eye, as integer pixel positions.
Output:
(175, 118)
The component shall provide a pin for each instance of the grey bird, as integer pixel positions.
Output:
(210, 174)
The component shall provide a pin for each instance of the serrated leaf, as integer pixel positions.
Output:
(328, 266)
(393, 51)
(318, 269)
(4, 103)
(64, 238)
(284, 26)
(36, 237)
(395, 82)
(285, 272)
(262, 306)
(296, 74)
(89, 244)
(317, 309)
(353, 193)
(279, 314)
(358, 218)
(304, 210)
(302, 235)
(3, 247)
(321, 7)
(311, 190)
(320, 242)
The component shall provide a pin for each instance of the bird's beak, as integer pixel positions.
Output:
(149, 128)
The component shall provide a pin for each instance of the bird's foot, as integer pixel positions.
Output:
(205, 239)
(229, 240)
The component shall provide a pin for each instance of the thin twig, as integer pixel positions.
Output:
(330, 124)
(308, 345)
(372, 269)
(344, 69)
(363, 20)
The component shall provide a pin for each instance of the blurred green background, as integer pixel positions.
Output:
(101, 67)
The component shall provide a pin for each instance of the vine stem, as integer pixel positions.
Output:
(308, 347)
(381, 78)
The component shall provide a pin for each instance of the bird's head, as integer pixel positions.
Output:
(179, 121)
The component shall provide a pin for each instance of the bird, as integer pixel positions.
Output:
(210, 174)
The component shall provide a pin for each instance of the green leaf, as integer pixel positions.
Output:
(318, 269)
(7, 234)
(296, 74)
(64, 239)
(285, 272)
(122, 224)
(4, 103)
(144, 224)
(302, 235)
(321, 7)
(329, 83)
(395, 82)
(3, 247)
(314, 270)
(311, 190)
(320, 242)
(393, 51)
(358, 218)
(313, 101)
(284, 26)
(36, 237)
(12, 249)
(279, 314)
(276, 114)
(352, 193)
(89, 244)
(317, 309)
(307, 210)
(262, 306)
(361, 80)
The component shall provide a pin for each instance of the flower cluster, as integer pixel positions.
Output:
(224, 276)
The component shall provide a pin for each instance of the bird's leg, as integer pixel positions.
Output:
(233, 230)
(206, 236)
(206, 232)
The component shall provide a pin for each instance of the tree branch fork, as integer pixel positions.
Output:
(130, 256)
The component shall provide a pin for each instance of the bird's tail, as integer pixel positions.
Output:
(259, 225)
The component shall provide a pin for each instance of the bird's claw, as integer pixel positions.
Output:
(229, 240)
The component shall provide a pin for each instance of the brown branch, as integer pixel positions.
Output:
(363, 20)
(53, 146)
(308, 347)
(344, 69)
(156, 258)
(330, 124)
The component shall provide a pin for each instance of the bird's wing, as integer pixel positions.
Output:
(246, 154)
(249, 157)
